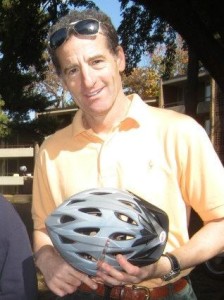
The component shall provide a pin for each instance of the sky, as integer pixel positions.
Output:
(111, 8)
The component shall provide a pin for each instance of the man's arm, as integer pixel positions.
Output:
(59, 276)
(205, 244)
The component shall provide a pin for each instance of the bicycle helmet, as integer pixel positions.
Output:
(98, 224)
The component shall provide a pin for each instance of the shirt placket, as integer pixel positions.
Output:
(107, 165)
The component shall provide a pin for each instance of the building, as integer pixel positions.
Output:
(17, 156)
(173, 93)
(16, 168)
(210, 108)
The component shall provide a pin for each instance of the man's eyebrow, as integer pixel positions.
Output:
(69, 67)
(97, 56)
(75, 65)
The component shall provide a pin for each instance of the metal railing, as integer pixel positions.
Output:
(2, 146)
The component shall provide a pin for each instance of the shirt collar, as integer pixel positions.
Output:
(132, 120)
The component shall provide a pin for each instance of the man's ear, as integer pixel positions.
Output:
(120, 58)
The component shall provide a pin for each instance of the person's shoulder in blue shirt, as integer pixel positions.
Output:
(17, 270)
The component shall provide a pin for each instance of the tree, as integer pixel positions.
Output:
(4, 130)
(52, 87)
(146, 80)
(143, 81)
(199, 22)
(24, 26)
(179, 63)
(19, 27)
(139, 37)
(23, 30)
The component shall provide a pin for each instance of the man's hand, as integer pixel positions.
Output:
(130, 275)
(60, 277)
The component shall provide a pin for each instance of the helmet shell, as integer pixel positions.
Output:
(98, 224)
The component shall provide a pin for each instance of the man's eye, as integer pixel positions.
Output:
(98, 63)
(72, 72)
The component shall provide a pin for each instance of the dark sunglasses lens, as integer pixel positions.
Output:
(58, 38)
(87, 27)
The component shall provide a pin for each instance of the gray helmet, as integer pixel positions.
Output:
(98, 224)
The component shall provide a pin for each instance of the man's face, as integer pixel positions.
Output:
(91, 73)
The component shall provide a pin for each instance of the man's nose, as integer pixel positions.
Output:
(88, 78)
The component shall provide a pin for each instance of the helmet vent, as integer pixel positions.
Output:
(91, 211)
(130, 204)
(100, 193)
(125, 218)
(115, 253)
(119, 236)
(87, 231)
(66, 219)
(66, 240)
(75, 201)
(87, 257)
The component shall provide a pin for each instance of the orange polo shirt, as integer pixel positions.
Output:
(160, 155)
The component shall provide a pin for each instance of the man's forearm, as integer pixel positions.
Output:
(43, 248)
(204, 244)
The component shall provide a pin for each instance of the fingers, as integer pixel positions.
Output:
(65, 280)
(110, 278)
(130, 274)
(63, 289)
(110, 275)
(62, 282)
(126, 266)
(60, 277)
(87, 280)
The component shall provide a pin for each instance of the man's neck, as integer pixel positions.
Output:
(106, 124)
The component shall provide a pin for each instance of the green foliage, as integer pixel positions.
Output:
(4, 129)
(199, 22)
(24, 26)
(178, 65)
(23, 30)
(139, 37)
(143, 81)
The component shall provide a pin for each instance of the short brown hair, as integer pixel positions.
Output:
(105, 24)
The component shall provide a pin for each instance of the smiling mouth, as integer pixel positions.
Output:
(94, 93)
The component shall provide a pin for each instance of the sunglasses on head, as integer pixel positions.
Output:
(88, 27)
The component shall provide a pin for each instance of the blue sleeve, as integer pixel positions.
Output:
(17, 270)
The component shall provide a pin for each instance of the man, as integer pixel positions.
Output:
(17, 270)
(118, 141)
